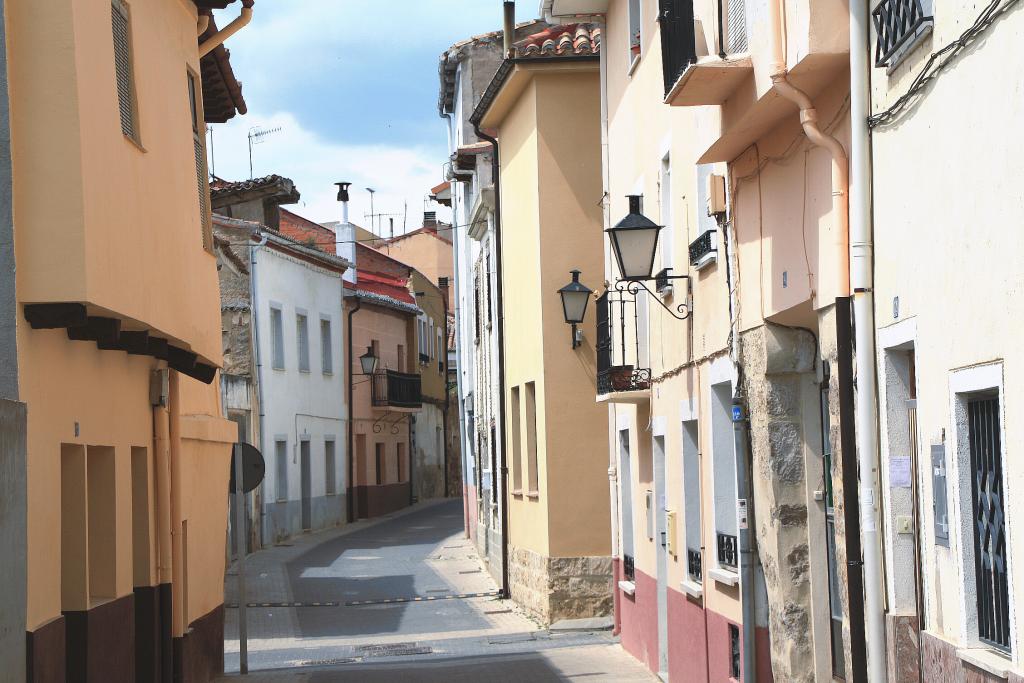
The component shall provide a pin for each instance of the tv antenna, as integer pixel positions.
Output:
(258, 135)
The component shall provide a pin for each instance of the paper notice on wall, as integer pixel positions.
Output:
(899, 472)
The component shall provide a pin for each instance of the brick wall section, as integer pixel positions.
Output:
(306, 231)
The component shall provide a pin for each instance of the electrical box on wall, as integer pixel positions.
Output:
(670, 535)
(716, 194)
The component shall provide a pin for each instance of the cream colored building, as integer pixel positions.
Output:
(543, 107)
(118, 337)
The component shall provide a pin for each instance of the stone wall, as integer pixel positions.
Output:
(778, 366)
(554, 588)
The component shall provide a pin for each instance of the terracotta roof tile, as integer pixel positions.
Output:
(569, 40)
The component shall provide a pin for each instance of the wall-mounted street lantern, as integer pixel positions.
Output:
(368, 361)
(634, 242)
(574, 305)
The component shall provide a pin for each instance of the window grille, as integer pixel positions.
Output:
(330, 469)
(302, 338)
(989, 523)
(326, 351)
(628, 567)
(737, 27)
(281, 460)
(277, 338)
(694, 565)
(735, 667)
(121, 29)
(728, 550)
(897, 22)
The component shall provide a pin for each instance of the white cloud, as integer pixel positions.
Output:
(401, 176)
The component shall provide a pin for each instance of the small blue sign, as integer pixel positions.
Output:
(737, 414)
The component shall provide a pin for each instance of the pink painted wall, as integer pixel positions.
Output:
(687, 639)
(639, 618)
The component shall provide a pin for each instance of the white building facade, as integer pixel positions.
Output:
(299, 351)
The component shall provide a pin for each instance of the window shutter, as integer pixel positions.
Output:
(123, 68)
(939, 501)
(303, 341)
(204, 193)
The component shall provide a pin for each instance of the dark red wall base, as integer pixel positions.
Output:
(100, 643)
(375, 501)
(199, 654)
(46, 653)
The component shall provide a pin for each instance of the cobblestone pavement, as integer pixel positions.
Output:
(401, 598)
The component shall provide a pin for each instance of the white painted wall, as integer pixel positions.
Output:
(301, 404)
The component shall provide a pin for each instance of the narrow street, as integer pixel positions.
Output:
(401, 598)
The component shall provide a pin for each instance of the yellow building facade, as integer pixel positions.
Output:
(118, 337)
(545, 115)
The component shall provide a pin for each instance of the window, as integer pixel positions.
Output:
(531, 437)
(899, 25)
(494, 466)
(735, 670)
(487, 291)
(440, 351)
(277, 338)
(626, 496)
(835, 589)
(199, 146)
(401, 357)
(668, 234)
(476, 309)
(379, 453)
(330, 468)
(987, 492)
(302, 340)
(326, 350)
(724, 476)
(400, 464)
(634, 30)
(281, 478)
(691, 501)
(120, 20)
(517, 456)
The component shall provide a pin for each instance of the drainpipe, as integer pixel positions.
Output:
(498, 292)
(179, 607)
(351, 419)
(203, 22)
(254, 309)
(852, 229)
(162, 484)
(861, 280)
(240, 22)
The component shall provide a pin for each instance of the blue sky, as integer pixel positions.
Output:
(353, 86)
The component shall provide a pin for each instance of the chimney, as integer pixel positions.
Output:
(343, 198)
(430, 219)
(510, 26)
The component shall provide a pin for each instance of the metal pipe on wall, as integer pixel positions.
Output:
(179, 607)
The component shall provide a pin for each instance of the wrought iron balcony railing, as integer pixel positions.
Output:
(678, 45)
(616, 361)
(897, 22)
(396, 390)
(728, 550)
(694, 565)
(704, 249)
(628, 568)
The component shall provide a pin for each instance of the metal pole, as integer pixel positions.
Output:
(240, 545)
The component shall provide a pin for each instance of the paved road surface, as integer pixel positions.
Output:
(397, 611)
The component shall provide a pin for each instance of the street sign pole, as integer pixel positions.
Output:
(240, 544)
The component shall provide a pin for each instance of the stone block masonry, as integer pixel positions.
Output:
(555, 588)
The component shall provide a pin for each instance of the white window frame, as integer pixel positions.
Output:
(963, 383)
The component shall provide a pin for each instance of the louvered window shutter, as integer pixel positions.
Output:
(202, 179)
(123, 66)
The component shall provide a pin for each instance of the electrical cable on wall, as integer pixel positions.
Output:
(941, 59)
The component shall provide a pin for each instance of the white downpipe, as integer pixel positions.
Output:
(861, 281)
(240, 22)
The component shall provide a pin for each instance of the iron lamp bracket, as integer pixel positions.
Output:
(633, 287)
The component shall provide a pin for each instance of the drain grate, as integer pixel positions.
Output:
(393, 650)
(420, 598)
(327, 662)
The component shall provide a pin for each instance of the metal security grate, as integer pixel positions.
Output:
(737, 23)
(678, 47)
(989, 523)
(702, 247)
(628, 567)
(728, 550)
(123, 67)
(694, 565)
(896, 23)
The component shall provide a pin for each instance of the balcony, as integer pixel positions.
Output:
(704, 250)
(399, 391)
(900, 25)
(620, 376)
(694, 76)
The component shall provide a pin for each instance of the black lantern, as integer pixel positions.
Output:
(574, 299)
(574, 304)
(635, 241)
(368, 361)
